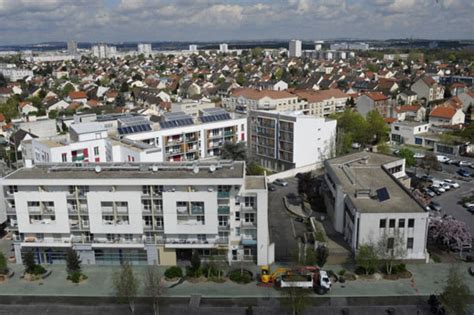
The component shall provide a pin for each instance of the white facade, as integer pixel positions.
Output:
(284, 140)
(104, 51)
(72, 47)
(295, 48)
(15, 74)
(140, 213)
(368, 204)
(404, 132)
(144, 49)
(193, 48)
(223, 48)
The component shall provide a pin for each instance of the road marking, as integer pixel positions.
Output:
(293, 228)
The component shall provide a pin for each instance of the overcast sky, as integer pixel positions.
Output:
(33, 21)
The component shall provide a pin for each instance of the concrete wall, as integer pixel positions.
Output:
(294, 171)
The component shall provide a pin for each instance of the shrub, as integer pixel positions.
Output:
(3, 264)
(174, 272)
(322, 253)
(240, 277)
(342, 272)
(399, 268)
(193, 273)
(29, 262)
(436, 258)
(72, 260)
(76, 276)
(211, 271)
(38, 270)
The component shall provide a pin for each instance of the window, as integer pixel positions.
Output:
(159, 222)
(411, 223)
(249, 201)
(410, 241)
(391, 223)
(96, 150)
(64, 157)
(146, 190)
(383, 223)
(200, 218)
(237, 231)
(237, 215)
(146, 205)
(390, 243)
(401, 223)
(201, 237)
(223, 220)
(250, 217)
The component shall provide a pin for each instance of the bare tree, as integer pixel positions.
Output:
(390, 247)
(152, 286)
(296, 298)
(126, 286)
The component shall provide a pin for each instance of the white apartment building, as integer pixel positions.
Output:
(243, 100)
(406, 132)
(182, 138)
(15, 74)
(138, 213)
(323, 103)
(367, 202)
(72, 47)
(284, 140)
(144, 49)
(223, 48)
(104, 51)
(295, 48)
(193, 48)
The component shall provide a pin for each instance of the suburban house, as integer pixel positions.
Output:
(446, 116)
(428, 89)
(405, 132)
(411, 112)
(407, 97)
(368, 204)
(26, 108)
(78, 96)
(373, 101)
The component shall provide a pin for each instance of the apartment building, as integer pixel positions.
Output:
(294, 48)
(367, 202)
(428, 89)
(143, 48)
(243, 100)
(181, 137)
(284, 140)
(323, 103)
(140, 213)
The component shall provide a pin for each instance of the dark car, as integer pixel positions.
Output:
(435, 190)
(271, 187)
(463, 173)
(471, 209)
(435, 206)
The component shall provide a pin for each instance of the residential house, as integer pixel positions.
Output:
(428, 89)
(446, 116)
(407, 97)
(373, 101)
(78, 96)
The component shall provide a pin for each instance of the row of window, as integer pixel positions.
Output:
(393, 222)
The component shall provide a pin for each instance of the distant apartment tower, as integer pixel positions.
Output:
(295, 48)
(318, 45)
(223, 48)
(193, 48)
(144, 49)
(72, 47)
(103, 51)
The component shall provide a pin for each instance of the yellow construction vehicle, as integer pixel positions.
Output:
(266, 276)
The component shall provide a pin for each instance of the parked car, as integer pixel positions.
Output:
(471, 165)
(356, 145)
(452, 162)
(419, 155)
(271, 187)
(442, 158)
(435, 206)
(452, 183)
(464, 163)
(471, 209)
(429, 192)
(463, 173)
(280, 182)
(435, 190)
(427, 178)
(469, 204)
(446, 186)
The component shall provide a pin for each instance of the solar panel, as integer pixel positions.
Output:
(383, 194)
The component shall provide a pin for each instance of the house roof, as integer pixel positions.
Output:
(376, 96)
(321, 95)
(428, 80)
(77, 95)
(443, 112)
(18, 136)
(257, 94)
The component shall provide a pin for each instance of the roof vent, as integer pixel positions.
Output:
(98, 169)
(196, 169)
(212, 168)
(154, 168)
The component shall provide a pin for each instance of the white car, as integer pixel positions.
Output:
(419, 156)
(446, 186)
(439, 188)
(356, 145)
(464, 163)
(280, 182)
(469, 204)
(451, 183)
(442, 158)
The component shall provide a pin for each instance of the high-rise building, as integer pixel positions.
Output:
(72, 47)
(139, 213)
(318, 45)
(144, 49)
(295, 48)
(223, 48)
(103, 51)
(193, 48)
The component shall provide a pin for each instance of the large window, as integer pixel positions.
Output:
(411, 223)
(383, 223)
(410, 241)
(223, 221)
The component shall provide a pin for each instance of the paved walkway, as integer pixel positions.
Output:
(427, 279)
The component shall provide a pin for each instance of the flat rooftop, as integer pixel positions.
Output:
(178, 170)
(362, 171)
(255, 182)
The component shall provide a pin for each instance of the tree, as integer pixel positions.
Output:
(296, 298)
(391, 247)
(383, 148)
(456, 294)
(306, 184)
(408, 155)
(310, 257)
(120, 100)
(68, 88)
(152, 286)
(72, 261)
(10, 108)
(350, 102)
(126, 286)
(448, 232)
(234, 151)
(377, 128)
(241, 79)
(29, 262)
(3, 264)
(322, 253)
(366, 258)
(124, 87)
(430, 162)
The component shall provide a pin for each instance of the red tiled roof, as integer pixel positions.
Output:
(257, 94)
(443, 112)
(317, 96)
(376, 96)
(77, 95)
(390, 120)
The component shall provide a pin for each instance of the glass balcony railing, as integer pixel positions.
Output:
(223, 194)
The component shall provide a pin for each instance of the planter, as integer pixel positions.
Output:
(12, 259)
(33, 277)
(170, 282)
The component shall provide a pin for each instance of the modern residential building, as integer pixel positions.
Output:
(368, 203)
(193, 48)
(138, 213)
(191, 107)
(144, 49)
(223, 48)
(284, 140)
(242, 100)
(428, 89)
(72, 47)
(323, 103)
(295, 48)
(102, 50)
(14, 74)
(181, 137)
(406, 132)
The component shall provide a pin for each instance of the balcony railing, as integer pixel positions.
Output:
(223, 194)
(223, 210)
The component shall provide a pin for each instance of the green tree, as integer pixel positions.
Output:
(29, 262)
(310, 257)
(430, 162)
(124, 87)
(241, 79)
(234, 151)
(377, 128)
(53, 114)
(383, 148)
(3, 264)
(278, 74)
(366, 258)
(68, 88)
(390, 248)
(408, 155)
(456, 293)
(322, 254)
(73, 262)
(152, 286)
(126, 286)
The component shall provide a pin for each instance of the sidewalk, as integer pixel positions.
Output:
(427, 279)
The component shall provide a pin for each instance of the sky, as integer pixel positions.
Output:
(35, 21)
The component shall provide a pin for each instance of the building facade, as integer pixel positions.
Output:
(295, 48)
(281, 141)
(139, 213)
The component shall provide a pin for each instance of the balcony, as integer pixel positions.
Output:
(197, 210)
(11, 210)
(195, 243)
(223, 210)
(223, 194)
(248, 225)
(248, 208)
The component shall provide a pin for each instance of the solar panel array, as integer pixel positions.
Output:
(176, 123)
(383, 194)
(216, 117)
(133, 129)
